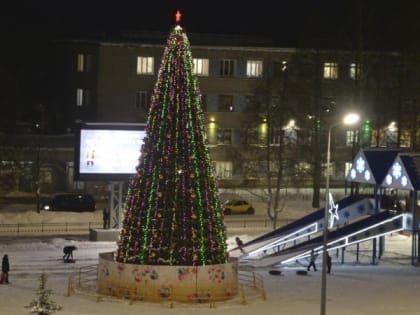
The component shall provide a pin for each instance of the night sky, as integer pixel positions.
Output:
(285, 21)
(28, 28)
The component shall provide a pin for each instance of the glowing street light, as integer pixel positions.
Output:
(349, 119)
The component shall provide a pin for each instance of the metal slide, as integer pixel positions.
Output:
(348, 209)
(374, 226)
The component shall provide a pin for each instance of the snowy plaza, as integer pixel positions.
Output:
(390, 287)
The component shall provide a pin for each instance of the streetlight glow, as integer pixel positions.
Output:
(349, 119)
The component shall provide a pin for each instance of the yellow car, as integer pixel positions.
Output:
(238, 207)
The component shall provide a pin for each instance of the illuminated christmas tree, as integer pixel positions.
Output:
(173, 214)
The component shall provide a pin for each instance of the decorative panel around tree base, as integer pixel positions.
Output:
(158, 283)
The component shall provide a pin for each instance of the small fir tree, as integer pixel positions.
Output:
(43, 305)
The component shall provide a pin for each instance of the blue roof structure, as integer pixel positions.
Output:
(370, 166)
(404, 172)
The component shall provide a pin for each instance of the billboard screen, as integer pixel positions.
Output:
(107, 151)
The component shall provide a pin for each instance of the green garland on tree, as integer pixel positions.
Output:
(173, 214)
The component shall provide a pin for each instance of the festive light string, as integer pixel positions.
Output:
(173, 213)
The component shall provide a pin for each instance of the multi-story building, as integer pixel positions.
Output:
(255, 96)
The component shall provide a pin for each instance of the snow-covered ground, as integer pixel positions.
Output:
(390, 287)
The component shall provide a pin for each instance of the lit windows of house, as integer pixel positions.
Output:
(275, 136)
(227, 68)
(391, 134)
(225, 103)
(254, 68)
(354, 71)
(142, 100)
(145, 65)
(330, 70)
(84, 62)
(223, 169)
(385, 137)
(82, 97)
(290, 132)
(351, 137)
(201, 67)
(405, 138)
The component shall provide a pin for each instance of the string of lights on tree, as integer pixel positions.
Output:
(173, 214)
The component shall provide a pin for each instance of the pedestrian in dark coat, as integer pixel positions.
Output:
(328, 263)
(68, 252)
(240, 244)
(106, 215)
(312, 261)
(5, 267)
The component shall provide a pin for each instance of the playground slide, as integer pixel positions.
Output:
(374, 226)
(348, 209)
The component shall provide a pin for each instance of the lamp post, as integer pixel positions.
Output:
(349, 119)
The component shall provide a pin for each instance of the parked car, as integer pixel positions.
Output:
(77, 202)
(236, 206)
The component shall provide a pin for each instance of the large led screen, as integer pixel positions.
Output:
(107, 151)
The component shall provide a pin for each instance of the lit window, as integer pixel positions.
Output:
(254, 68)
(82, 97)
(145, 65)
(201, 66)
(405, 138)
(290, 133)
(142, 100)
(275, 136)
(223, 169)
(354, 71)
(351, 137)
(227, 67)
(83, 62)
(330, 70)
(391, 134)
(79, 101)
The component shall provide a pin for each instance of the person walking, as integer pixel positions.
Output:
(240, 244)
(5, 269)
(328, 263)
(312, 261)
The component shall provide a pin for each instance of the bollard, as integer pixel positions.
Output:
(254, 280)
(263, 293)
(243, 297)
(70, 286)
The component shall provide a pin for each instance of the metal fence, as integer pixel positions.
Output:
(250, 222)
(241, 223)
(49, 228)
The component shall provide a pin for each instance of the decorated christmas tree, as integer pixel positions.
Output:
(173, 214)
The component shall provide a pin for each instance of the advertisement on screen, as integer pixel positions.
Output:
(108, 152)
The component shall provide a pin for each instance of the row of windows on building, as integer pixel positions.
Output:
(385, 138)
(254, 68)
(227, 67)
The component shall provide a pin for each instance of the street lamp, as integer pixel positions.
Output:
(349, 119)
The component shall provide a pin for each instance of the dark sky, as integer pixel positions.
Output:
(27, 28)
(284, 20)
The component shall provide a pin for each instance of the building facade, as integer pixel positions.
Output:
(267, 108)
